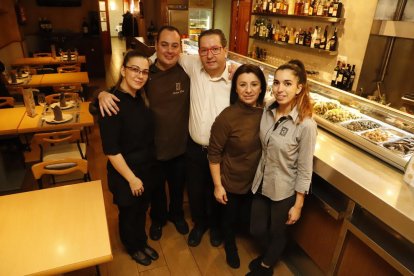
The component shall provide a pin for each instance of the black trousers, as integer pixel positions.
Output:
(235, 215)
(204, 208)
(268, 225)
(132, 224)
(173, 172)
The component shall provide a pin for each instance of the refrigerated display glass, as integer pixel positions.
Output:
(199, 20)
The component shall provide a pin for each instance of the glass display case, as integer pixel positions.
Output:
(380, 130)
(199, 20)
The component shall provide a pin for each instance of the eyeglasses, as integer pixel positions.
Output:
(214, 50)
(138, 71)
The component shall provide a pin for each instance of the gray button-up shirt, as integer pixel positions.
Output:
(287, 155)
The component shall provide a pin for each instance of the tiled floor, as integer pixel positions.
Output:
(176, 258)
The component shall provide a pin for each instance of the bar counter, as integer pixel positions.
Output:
(371, 183)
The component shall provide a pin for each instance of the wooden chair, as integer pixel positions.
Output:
(54, 98)
(6, 102)
(42, 54)
(60, 167)
(65, 88)
(60, 145)
(68, 69)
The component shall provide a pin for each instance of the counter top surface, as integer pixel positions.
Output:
(371, 183)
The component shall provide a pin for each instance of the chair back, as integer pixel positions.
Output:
(60, 167)
(54, 98)
(57, 145)
(42, 54)
(68, 69)
(65, 88)
(6, 102)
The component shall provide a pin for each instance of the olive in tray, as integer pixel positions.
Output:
(361, 125)
(403, 146)
(339, 115)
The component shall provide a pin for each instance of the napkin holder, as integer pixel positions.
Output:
(29, 102)
(57, 113)
(409, 172)
(62, 100)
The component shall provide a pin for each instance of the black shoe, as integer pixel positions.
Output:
(141, 258)
(150, 252)
(232, 257)
(181, 225)
(255, 262)
(195, 236)
(155, 231)
(261, 271)
(215, 237)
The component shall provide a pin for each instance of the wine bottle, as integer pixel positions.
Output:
(333, 42)
(308, 38)
(335, 74)
(345, 79)
(322, 44)
(340, 77)
(314, 37)
(351, 78)
(337, 9)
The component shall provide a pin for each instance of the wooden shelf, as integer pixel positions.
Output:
(303, 17)
(295, 46)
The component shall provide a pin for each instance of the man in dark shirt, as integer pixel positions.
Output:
(168, 91)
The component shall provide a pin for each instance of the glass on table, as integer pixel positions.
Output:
(75, 99)
(41, 100)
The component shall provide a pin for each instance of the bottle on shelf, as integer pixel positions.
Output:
(337, 8)
(285, 7)
(314, 37)
(322, 44)
(335, 73)
(308, 38)
(306, 5)
(345, 79)
(276, 34)
(330, 9)
(319, 9)
(340, 77)
(326, 8)
(85, 27)
(311, 8)
(270, 6)
(351, 78)
(333, 41)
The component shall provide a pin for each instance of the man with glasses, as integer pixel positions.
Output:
(168, 91)
(210, 94)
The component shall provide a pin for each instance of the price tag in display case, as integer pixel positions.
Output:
(409, 172)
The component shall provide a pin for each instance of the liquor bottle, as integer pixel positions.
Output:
(330, 10)
(351, 78)
(326, 8)
(264, 6)
(308, 37)
(311, 8)
(297, 34)
(306, 5)
(302, 35)
(338, 81)
(314, 37)
(269, 30)
(298, 7)
(285, 7)
(291, 39)
(345, 79)
(322, 44)
(270, 7)
(337, 9)
(85, 28)
(335, 73)
(333, 42)
(278, 3)
(319, 10)
(276, 36)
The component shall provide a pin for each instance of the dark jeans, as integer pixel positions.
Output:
(172, 171)
(268, 225)
(235, 213)
(132, 224)
(204, 207)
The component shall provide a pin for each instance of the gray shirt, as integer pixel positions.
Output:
(287, 155)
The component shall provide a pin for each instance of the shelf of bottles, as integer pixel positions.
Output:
(304, 17)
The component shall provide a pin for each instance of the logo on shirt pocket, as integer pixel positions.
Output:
(178, 89)
(283, 131)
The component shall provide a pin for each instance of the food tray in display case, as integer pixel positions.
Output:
(377, 129)
(347, 109)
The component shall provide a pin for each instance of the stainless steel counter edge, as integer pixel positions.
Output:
(370, 182)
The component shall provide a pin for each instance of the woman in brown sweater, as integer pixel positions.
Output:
(234, 151)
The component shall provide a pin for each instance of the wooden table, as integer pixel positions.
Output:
(53, 230)
(64, 78)
(10, 119)
(33, 124)
(44, 61)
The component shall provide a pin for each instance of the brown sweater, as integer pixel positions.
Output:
(235, 144)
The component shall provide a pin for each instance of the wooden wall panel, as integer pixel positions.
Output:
(9, 28)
